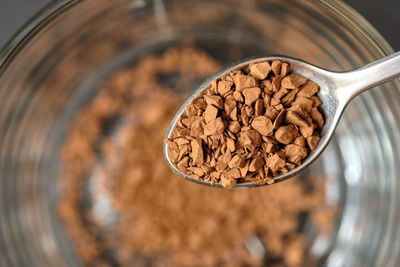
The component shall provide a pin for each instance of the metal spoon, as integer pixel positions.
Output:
(337, 89)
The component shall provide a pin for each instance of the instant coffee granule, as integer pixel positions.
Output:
(251, 125)
(123, 206)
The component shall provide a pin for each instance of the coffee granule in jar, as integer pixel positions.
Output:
(251, 125)
(123, 206)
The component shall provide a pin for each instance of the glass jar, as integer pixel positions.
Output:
(360, 163)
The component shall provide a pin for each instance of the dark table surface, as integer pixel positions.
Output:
(383, 14)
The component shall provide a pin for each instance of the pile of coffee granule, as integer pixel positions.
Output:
(251, 125)
(123, 206)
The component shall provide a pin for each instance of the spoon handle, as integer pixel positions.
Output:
(353, 83)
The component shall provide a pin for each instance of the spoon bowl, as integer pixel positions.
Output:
(337, 89)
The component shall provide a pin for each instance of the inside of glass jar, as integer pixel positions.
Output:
(92, 39)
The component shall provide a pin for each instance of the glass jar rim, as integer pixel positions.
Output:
(340, 12)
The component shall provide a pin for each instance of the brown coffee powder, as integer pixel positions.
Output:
(156, 216)
(251, 125)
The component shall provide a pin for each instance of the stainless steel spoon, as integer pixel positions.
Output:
(337, 89)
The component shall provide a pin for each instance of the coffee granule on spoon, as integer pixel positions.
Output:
(251, 125)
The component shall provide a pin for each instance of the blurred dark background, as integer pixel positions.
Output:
(382, 14)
